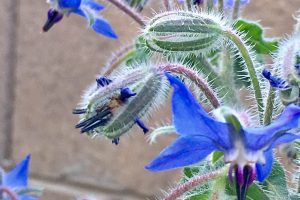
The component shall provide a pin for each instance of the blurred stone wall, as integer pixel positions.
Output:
(41, 79)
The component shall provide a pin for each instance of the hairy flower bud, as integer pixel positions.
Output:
(111, 107)
(184, 31)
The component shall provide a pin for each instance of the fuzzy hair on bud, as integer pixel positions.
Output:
(184, 31)
(149, 87)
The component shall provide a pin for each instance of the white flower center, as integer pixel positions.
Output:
(242, 157)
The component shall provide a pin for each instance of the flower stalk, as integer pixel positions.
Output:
(192, 183)
(269, 106)
(235, 38)
(116, 59)
(129, 11)
(236, 9)
(10, 193)
(193, 76)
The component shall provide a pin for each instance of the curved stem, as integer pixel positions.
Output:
(129, 11)
(235, 38)
(9, 192)
(193, 76)
(117, 58)
(269, 107)
(194, 182)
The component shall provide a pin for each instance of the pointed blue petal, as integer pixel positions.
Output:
(285, 138)
(69, 4)
(263, 171)
(19, 175)
(183, 152)
(93, 5)
(190, 118)
(79, 12)
(258, 138)
(103, 27)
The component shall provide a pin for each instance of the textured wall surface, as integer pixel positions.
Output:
(41, 80)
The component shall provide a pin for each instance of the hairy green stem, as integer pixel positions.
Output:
(189, 4)
(221, 5)
(129, 11)
(236, 9)
(236, 39)
(192, 183)
(193, 76)
(117, 58)
(269, 107)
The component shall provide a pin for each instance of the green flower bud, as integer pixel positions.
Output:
(184, 31)
(111, 107)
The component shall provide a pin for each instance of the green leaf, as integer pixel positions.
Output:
(216, 156)
(276, 183)
(254, 35)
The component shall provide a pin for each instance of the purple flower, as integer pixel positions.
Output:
(17, 179)
(247, 150)
(85, 8)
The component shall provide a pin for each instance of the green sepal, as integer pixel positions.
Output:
(216, 156)
(254, 35)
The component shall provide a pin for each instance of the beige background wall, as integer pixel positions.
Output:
(41, 80)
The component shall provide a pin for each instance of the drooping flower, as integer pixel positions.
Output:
(16, 181)
(247, 150)
(85, 8)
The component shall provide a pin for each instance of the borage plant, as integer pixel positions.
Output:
(243, 116)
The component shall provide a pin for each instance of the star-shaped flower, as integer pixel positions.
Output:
(247, 150)
(17, 180)
(85, 8)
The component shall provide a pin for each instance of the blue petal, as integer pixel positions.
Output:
(183, 152)
(93, 5)
(19, 175)
(258, 138)
(285, 138)
(275, 81)
(69, 4)
(79, 12)
(263, 171)
(103, 27)
(26, 197)
(189, 117)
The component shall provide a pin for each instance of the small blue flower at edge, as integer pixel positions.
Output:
(249, 150)
(85, 8)
(17, 178)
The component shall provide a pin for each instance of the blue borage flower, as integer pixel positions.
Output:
(248, 150)
(17, 179)
(275, 82)
(85, 8)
